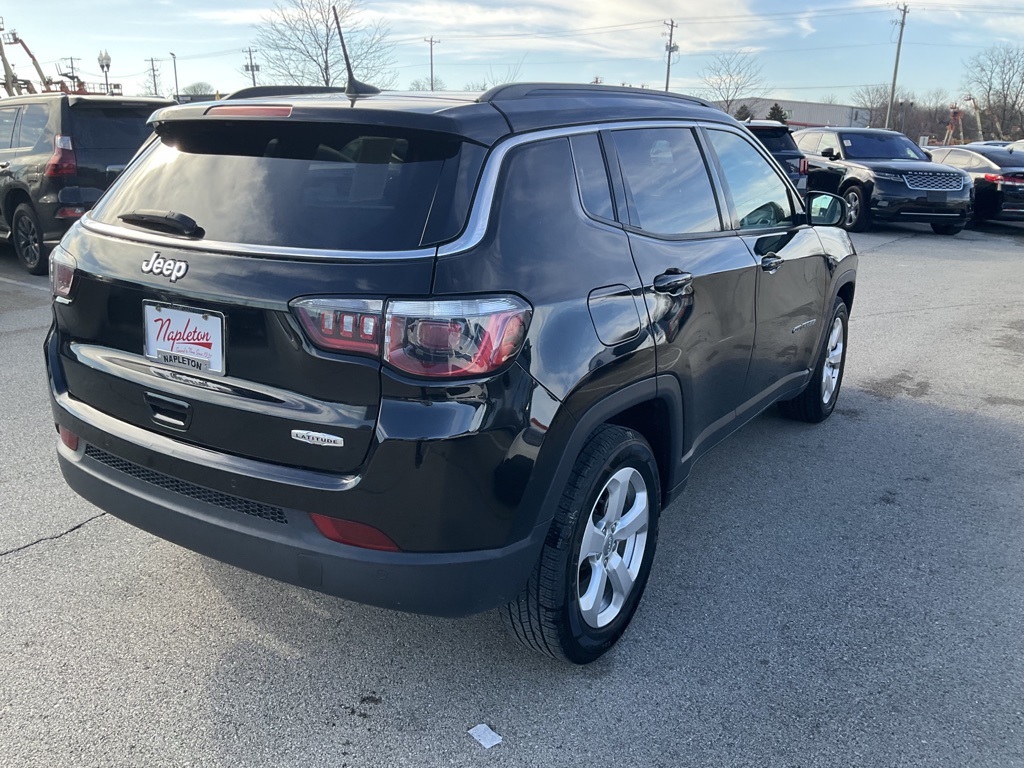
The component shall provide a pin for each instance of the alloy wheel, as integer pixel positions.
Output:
(833, 361)
(613, 547)
(26, 238)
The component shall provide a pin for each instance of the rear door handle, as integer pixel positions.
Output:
(771, 262)
(674, 283)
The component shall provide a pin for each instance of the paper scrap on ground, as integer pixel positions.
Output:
(484, 735)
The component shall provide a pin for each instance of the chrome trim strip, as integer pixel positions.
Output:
(480, 215)
(246, 468)
(929, 215)
(242, 249)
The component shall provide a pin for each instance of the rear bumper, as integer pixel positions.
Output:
(289, 548)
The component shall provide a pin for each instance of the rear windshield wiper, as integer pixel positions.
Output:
(164, 221)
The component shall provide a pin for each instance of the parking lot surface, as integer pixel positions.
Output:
(848, 594)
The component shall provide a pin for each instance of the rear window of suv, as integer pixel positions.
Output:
(322, 186)
(122, 128)
(775, 139)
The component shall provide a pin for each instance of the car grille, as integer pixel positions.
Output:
(949, 182)
(197, 492)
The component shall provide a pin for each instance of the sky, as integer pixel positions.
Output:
(808, 51)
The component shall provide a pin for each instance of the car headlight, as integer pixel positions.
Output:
(889, 176)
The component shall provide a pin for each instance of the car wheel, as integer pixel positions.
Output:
(947, 229)
(28, 239)
(856, 210)
(818, 400)
(594, 565)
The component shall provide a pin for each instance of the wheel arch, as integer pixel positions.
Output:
(12, 200)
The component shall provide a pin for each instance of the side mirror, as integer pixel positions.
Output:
(929, 154)
(829, 153)
(825, 209)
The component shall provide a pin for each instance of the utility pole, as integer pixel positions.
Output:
(432, 42)
(152, 69)
(670, 48)
(250, 67)
(903, 9)
(175, 60)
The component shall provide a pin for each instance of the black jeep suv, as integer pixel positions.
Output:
(58, 152)
(884, 176)
(437, 353)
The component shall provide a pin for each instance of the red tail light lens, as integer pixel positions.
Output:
(354, 534)
(460, 337)
(63, 161)
(342, 325)
(69, 438)
(232, 110)
(803, 166)
(62, 274)
(1011, 181)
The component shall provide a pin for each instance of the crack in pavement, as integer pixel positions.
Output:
(56, 536)
(911, 236)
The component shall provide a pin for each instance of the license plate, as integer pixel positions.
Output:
(936, 197)
(185, 338)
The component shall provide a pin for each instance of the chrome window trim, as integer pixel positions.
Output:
(245, 249)
(480, 214)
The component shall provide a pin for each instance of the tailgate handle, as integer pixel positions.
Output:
(168, 412)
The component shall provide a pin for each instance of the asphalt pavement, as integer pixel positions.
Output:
(847, 594)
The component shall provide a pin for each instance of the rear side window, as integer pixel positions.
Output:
(8, 116)
(669, 188)
(122, 128)
(592, 176)
(808, 142)
(33, 126)
(321, 186)
(775, 139)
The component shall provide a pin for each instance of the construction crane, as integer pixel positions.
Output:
(12, 38)
(956, 120)
(11, 84)
(977, 115)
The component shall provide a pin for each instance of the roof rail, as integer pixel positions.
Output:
(281, 90)
(511, 91)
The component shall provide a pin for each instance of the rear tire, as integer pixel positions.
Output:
(947, 229)
(597, 557)
(856, 210)
(27, 235)
(818, 400)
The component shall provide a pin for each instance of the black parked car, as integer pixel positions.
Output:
(998, 175)
(778, 139)
(884, 176)
(439, 354)
(58, 152)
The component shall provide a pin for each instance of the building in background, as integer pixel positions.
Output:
(809, 114)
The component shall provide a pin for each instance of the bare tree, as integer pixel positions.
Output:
(423, 84)
(729, 77)
(153, 86)
(299, 44)
(995, 78)
(875, 99)
(197, 89)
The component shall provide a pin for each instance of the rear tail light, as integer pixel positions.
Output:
(461, 337)
(352, 533)
(436, 339)
(342, 325)
(803, 166)
(62, 274)
(1011, 181)
(63, 161)
(70, 212)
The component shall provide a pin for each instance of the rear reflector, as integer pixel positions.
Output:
(62, 274)
(352, 533)
(69, 438)
(245, 111)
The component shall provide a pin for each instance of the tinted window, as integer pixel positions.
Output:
(829, 140)
(958, 159)
(301, 185)
(1003, 158)
(938, 155)
(8, 117)
(886, 146)
(33, 125)
(808, 142)
(775, 139)
(109, 127)
(668, 181)
(591, 176)
(760, 196)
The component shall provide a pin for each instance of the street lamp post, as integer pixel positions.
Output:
(104, 61)
(175, 60)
